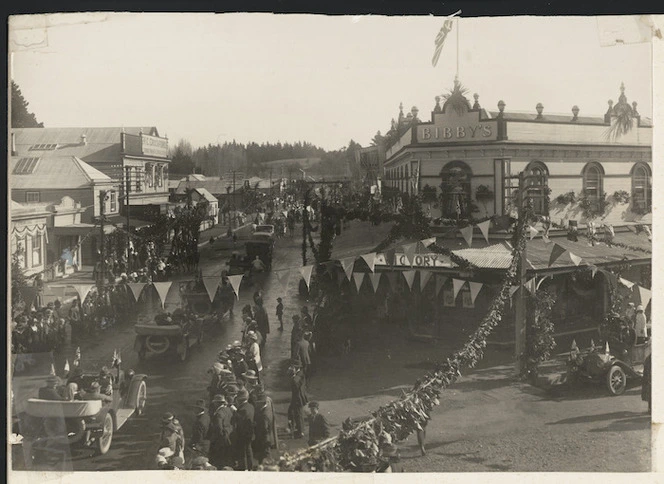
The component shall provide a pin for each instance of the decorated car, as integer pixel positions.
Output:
(52, 428)
(611, 364)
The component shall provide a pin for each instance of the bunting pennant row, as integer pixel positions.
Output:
(410, 277)
(347, 265)
(235, 281)
(424, 279)
(162, 289)
(457, 284)
(484, 228)
(440, 282)
(375, 280)
(306, 274)
(136, 289)
(556, 252)
(370, 259)
(211, 285)
(359, 279)
(475, 288)
(467, 233)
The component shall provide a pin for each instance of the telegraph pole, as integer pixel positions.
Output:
(521, 300)
(102, 201)
(127, 188)
(234, 200)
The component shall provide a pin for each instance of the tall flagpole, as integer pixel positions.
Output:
(457, 49)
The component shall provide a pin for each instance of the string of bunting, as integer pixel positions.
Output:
(356, 447)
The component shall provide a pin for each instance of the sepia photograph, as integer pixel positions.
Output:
(314, 243)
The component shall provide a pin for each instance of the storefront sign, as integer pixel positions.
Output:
(419, 260)
(450, 128)
(154, 146)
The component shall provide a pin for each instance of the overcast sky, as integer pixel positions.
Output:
(211, 78)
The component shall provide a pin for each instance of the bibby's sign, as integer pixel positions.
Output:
(450, 127)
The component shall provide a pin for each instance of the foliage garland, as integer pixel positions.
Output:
(356, 448)
(539, 333)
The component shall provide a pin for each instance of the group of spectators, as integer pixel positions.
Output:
(38, 330)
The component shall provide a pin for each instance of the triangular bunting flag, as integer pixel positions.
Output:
(235, 281)
(389, 256)
(285, 213)
(162, 289)
(424, 279)
(606, 349)
(410, 277)
(348, 264)
(457, 284)
(359, 279)
(440, 282)
(475, 288)
(82, 290)
(283, 277)
(370, 259)
(531, 286)
(576, 260)
(211, 284)
(574, 346)
(546, 239)
(644, 295)
(66, 368)
(556, 252)
(136, 288)
(532, 231)
(392, 279)
(484, 228)
(626, 283)
(409, 250)
(428, 242)
(467, 233)
(513, 289)
(306, 273)
(375, 280)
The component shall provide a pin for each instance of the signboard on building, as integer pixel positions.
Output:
(419, 260)
(154, 146)
(450, 127)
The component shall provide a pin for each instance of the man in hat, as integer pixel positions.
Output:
(244, 427)
(216, 382)
(296, 333)
(239, 364)
(298, 400)
(254, 354)
(260, 315)
(265, 427)
(221, 433)
(305, 317)
(201, 427)
(630, 313)
(319, 429)
(640, 325)
(280, 313)
(171, 435)
(250, 380)
(49, 391)
(94, 393)
(106, 381)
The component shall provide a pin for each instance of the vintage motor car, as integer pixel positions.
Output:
(263, 247)
(264, 231)
(612, 363)
(158, 339)
(51, 427)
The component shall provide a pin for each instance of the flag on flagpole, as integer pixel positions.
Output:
(440, 39)
(66, 368)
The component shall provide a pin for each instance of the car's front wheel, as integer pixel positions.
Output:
(616, 381)
(106, 438)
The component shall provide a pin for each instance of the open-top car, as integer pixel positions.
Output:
(264, 231)
(615, 362)
(161, 338)
(51, 428)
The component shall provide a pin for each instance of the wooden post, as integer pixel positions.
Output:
(520, 310)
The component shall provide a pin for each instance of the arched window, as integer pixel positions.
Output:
(593, 181)
(641, 188)
(455, 188)
(537, 185)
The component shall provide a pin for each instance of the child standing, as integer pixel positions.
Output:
(280, 313)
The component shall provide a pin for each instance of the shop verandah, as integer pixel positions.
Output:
(433, 298)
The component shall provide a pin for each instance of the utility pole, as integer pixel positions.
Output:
(234, 200)
(521, 300)
(127, 189)
(102, 202)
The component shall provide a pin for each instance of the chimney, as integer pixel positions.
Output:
(84, 140)
(13, 144)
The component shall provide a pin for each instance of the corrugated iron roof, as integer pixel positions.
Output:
(206, 195)
(498, 256)
(216, 186)
(57, 172)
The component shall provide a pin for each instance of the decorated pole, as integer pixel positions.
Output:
(520, 310)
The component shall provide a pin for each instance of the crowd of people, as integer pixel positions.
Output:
(235, 426)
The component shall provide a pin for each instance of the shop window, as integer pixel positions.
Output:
(114, 202)
(641, 188)
(36, 242)
(537, 187)
(455, 188)
(593, 179)
(32, 197)
(148, 175)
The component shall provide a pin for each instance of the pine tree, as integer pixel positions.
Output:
(21, 117)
